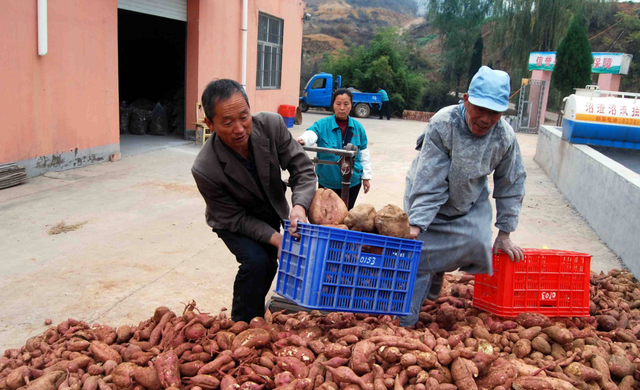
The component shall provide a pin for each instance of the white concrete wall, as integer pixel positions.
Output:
(604, 192)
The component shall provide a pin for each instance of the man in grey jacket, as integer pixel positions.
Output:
(447, 193)
(238, 173)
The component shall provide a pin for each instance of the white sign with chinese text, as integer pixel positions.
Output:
(613, 63)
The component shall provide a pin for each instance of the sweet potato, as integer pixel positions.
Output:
(215, 365)
(293, 365)
(462, 376)
(361, 218)
(191, 368)
(501, 373)
(123, 334)
(147, 377)
(122, 375)
(628, 383)
(301, 353)
(540, 383)
(194, 331)
(168, 370)
(580, 371)
(346, 375)
(529, 320)
(363, 357)
(206, 382)
(102, 352)
(522, 348)
(606, 323)
(48, 381)
(250, 338)
(392, 221)
(530, 333)
(541, 345)
(560, 335)
(327, 208)
(91, 383)
(620, 366)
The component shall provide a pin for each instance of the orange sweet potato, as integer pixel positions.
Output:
(102, 352)
(327, 208)
(361, 218)
(251, 338)
(462, 375)
(168, 370)
(392, 221)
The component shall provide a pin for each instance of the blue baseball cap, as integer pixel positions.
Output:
(490, 89)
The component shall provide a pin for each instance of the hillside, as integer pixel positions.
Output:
(336, 24)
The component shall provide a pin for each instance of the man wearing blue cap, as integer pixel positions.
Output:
(447, 192)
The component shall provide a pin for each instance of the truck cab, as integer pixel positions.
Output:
(319, 89)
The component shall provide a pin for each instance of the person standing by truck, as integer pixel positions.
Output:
(386, 104)
(335, 132)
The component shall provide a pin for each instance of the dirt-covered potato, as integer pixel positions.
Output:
(327, 208)
(361, 218)
(392, 221)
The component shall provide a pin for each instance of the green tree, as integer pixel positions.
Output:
(522, 26)
(573, 59)
(391, 61)
(459, 22)
(476, 59)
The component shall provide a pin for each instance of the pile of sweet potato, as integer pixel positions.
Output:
(328, 209)
(453, 346)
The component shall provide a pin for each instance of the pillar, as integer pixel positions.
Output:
(609, 82)
(546, 76)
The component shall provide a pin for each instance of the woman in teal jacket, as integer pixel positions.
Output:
(336, 132)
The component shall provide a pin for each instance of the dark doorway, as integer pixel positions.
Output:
(151, 73)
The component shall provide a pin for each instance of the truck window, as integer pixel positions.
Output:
(319, 84)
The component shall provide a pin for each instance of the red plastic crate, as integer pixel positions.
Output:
(287, 111)
(550, 282)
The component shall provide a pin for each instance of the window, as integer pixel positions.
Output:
(319, 84)
(270, 31)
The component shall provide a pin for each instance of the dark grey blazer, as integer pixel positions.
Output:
(231, 194)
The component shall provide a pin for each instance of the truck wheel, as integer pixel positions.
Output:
(362, 110)
(304, 107)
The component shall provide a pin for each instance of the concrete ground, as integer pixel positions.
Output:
(136, 237)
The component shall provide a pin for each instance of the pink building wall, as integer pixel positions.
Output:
(216, 50)
(61, 110)
(63, 106)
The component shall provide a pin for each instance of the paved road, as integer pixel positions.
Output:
(144, 241)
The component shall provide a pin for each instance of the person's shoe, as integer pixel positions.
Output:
(380, 118)
(436, 286)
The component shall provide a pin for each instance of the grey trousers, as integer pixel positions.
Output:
(450, 243)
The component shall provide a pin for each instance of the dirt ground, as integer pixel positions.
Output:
(142, 241)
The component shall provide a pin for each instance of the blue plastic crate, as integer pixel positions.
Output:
(289, 121)
(331, 269)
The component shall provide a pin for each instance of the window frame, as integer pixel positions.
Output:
(265, 52)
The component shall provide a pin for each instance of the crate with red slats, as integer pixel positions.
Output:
(550, 282)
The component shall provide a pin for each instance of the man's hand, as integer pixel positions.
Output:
(276, 240)
(413, 232)
(366, 184)
(298, 214)
(300, 141)
(503, 242)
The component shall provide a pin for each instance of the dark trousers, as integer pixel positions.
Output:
(386, 110)
(258, 267)
(353, 194)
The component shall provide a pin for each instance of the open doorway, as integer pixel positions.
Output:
(151, 74)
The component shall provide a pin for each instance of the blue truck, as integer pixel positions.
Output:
(319, 89)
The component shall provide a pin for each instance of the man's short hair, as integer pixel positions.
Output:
(341, 91)
(220, 90)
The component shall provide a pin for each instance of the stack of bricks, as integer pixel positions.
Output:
(417, 115)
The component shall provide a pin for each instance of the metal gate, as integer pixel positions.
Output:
(530, 106)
